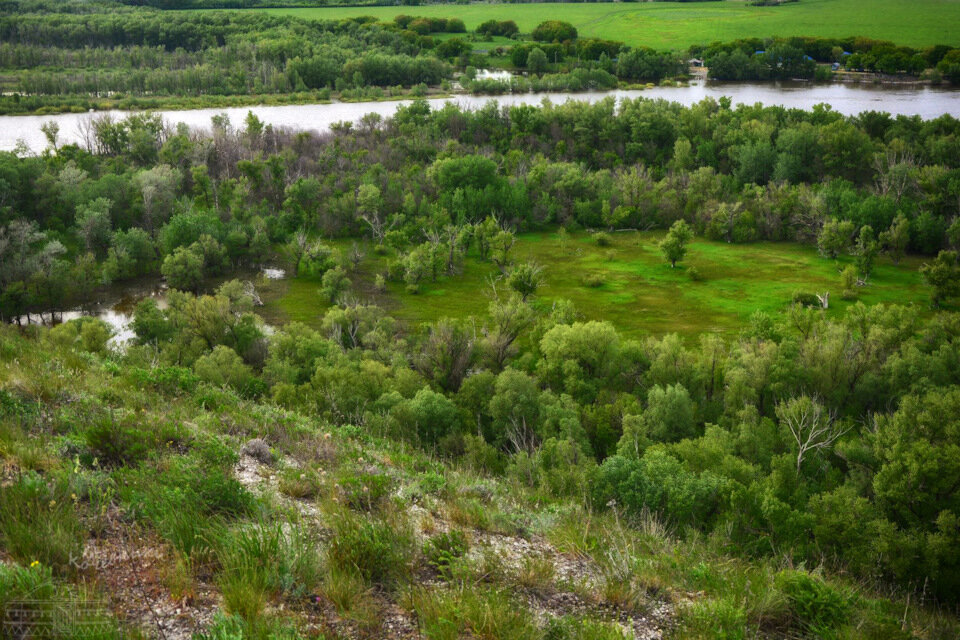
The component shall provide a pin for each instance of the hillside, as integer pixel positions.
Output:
(185, 508)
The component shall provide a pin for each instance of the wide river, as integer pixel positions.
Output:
(926, 102)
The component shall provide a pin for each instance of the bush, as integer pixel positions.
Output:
(593, 280)
(816, 605)
(602, 238)
(805, 299)
(554, 31)
(117, 441)
(443, 549)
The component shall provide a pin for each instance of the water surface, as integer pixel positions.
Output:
(924, 101)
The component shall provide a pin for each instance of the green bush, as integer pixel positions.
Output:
(125, 440)
(443, 549)
(816, 605)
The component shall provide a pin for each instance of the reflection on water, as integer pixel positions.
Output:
(848, 99)
(118, 303)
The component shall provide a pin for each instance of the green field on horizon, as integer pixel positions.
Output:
(671, 25)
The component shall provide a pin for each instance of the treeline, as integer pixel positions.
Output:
(797, 57)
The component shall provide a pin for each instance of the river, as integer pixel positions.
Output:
(848, 99)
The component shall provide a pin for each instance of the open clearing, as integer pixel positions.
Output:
(670, 25)
(639, 294)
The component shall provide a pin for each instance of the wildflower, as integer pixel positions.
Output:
(35, 563)
(73, 497)
(53, 503)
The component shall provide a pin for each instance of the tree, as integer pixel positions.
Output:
(93, 220)
(433, 415)
(500, 245)
(509, 318)
(554, 31)
(835, 237)
(223, 367)
(943, 274)
(525, 279)
(370, 210)
(674, 245)
(669, 415)
(865, 251)
(183, 269)
(334, 283)
(537, 60)
(810, 426)
(515, 410)
(448, 352)
(896, 239)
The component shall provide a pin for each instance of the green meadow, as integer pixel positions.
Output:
(638, 292)
(670, 25)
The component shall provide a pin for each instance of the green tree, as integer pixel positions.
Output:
(835, 238)
(334, 284)
(865, 251)
(525, 279)
(943, 274)
(537, 61)
(669, 415)
(93, 220)
(896, 239)
(674, 245)
(183, 269)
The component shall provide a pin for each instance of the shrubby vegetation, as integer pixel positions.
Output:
(807, 440)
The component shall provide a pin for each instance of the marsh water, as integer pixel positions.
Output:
(848, 99)
(116, 304)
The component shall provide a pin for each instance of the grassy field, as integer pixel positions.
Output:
(640, 293)
(667, 25)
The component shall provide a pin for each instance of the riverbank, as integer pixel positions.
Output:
(19, 131)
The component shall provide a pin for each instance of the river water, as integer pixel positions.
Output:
(848, 99)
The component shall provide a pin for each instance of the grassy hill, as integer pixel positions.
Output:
(149, 503)
(669, 25)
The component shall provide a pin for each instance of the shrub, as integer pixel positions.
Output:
(443, 549)
(602, 238)
(554, 31)
(816, 605)
(593, 280)
(805, 299)
(117, 441)
(715, 619)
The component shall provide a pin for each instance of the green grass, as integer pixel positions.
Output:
(668, 25)
(639, 293)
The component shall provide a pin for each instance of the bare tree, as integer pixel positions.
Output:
(813, 428)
